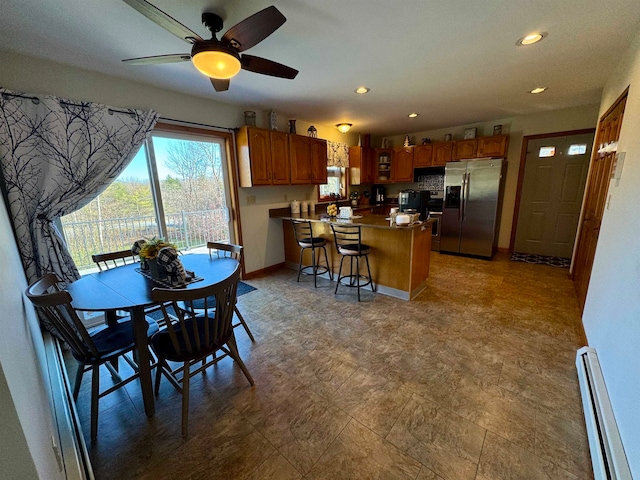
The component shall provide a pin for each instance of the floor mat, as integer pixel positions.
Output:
(531, 258)
(242, 289)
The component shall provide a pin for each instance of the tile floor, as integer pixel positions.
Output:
(473, 380)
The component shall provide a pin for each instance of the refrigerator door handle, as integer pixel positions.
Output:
(463, 198)
(466, 194)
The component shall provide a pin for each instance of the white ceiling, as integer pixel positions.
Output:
(453, 62)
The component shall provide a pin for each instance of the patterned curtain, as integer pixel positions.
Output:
(57, 155)
(337, 154)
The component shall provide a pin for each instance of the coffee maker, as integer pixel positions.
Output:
(379, 194)
(415, 201)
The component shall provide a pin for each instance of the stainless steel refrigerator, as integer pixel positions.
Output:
(472, 200)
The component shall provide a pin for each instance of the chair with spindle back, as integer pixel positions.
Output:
(100, 347)
(196, 335)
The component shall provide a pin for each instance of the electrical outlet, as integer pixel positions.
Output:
(251, 199)
(286, 197)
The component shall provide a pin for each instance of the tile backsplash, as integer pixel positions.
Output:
(431, 182)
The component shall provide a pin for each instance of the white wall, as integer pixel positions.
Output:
(612, 312)
(517, 127)
(26, 417)
(19, 73)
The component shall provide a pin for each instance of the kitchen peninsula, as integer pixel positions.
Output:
(400, 255)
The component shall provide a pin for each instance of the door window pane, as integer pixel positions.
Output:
(192, 184)
(119, 216)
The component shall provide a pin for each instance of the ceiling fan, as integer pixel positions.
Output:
(219, 59)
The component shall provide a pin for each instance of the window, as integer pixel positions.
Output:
(335, 187)
(547, 152)
(577, 149)
(176, 187)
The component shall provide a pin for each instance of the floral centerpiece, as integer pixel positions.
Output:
(354, 196)
(148, 251)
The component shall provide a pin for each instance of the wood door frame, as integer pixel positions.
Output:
(523, 160)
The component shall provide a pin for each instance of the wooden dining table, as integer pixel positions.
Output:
(124, 288)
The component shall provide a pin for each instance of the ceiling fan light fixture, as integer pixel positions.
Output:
(216, 61)
(344, 127)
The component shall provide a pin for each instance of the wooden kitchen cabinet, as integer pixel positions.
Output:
(383, 161)
(463, 149)
(308, 160)
(442, 153)
(422, 155)
(494, 146)
(318, 154)
(280, 164)
(361, 160)
(255, 157)
(402, 164)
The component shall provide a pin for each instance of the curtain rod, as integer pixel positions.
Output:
(36, 100)
(198, 124)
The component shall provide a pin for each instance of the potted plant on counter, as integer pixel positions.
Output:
(354, 197)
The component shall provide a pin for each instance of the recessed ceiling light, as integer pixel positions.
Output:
(531, 38)
(538, 90)
(363, 90)
(413, 115)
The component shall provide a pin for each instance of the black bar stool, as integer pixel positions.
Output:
(348, 239)
(305, 239)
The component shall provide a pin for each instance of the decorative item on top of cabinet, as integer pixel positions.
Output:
(273, 120)
(463, 149)
(470, 133)
(441, 153)
(263, 157)
(422, 155)
(312, 132)
(383, 165)
(402, 166)
(292, 126)
(494, 146)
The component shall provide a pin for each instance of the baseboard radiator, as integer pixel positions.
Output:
(607, 453)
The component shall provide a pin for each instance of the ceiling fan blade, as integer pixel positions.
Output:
(267, 67)
(254, 29)
(173, 58)
(167, 22)
(220, 84)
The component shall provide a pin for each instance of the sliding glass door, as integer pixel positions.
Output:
(176, 188)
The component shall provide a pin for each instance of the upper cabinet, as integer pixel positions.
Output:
(361, 165)
(308, 160)
(422, 155)
(463, 149)
(383, 158)
(254, 157)
(402, 164)
(495, 146)
(270, 157)
(442, 153)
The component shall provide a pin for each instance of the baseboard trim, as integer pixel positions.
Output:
(263, 271)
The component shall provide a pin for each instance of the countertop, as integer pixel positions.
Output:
(373, 221)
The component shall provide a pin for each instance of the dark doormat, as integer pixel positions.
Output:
(531, 258)
(242, 289)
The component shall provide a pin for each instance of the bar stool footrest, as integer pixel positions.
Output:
(352, 281)
(319, 270)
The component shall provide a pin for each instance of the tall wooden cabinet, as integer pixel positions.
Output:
(270, 157)
(263, 157)
(308, 160)
(361, 165)
(402, 164)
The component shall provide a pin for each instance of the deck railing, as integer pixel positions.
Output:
(185, 229)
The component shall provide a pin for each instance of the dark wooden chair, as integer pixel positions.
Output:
(348, 240)
(304, 236)
(224, 250)
(108, 260)
(193, 337)
(102, 347)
